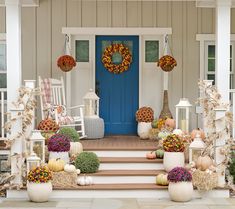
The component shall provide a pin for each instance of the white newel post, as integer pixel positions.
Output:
(223, 16)
(219, 143)
(13, 40)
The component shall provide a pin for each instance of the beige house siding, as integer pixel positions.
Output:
(43, 41)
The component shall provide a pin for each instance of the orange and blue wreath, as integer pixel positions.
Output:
(126, 58)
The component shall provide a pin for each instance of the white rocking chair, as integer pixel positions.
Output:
(53, 102)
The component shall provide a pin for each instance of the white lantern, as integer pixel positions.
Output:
(33, 161)
(182, 114)
(91, 102)
(37, 144)
(196, 148)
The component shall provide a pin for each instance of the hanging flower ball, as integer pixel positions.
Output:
(66, 63)
(167, 63)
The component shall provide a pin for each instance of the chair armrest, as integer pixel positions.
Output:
(75, 107)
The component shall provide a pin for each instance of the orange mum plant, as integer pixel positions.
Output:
(145, 114)
(167, 63)
(66, 63)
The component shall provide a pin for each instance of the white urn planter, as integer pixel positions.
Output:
(180, 191)
(172, 160)
(39, 192)
(143, 129)
(75, 148)
(61, 155)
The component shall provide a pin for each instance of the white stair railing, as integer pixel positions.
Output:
(3, 110)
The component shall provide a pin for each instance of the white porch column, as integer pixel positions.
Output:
(13, 40)
(223, 10)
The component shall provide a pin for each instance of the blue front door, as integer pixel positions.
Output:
(119, 93)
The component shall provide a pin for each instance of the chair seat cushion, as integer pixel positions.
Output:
(94, 127)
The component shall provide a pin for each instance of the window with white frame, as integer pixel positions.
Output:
(210, 62)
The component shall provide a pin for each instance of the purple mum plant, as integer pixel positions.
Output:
(59, 143)
(179, 174)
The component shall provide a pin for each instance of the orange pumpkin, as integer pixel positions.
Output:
(151, 155)
(198, 131)
(204, 162)
(169, 122)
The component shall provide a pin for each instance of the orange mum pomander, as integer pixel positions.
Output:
(173, 143)
(48, 125)
(66, 63)
(126, 58)
(145, 114)
(167, 63)
(39, 175)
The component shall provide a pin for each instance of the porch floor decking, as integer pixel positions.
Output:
(121, 142)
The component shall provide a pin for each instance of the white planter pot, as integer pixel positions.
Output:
(62, 155)
(39, 192)
(172, 160)
(180, 191)
(75, 148)
(143, 130)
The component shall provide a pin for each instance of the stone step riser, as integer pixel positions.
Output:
(131, 166)
(123, 179)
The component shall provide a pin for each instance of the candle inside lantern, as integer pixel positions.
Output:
(183, 125)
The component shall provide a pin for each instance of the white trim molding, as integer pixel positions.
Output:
(3, 36)
(214, 3)
(24, 3)
(115, 31)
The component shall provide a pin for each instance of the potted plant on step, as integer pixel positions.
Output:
(39, 186)
(59, 146)
(180, 184)
(75, 146)
(173, 147)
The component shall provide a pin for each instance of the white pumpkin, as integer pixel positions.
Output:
(69, 168)
(75, 148)
(85, 180)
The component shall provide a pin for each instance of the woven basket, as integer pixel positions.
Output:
(66, 68)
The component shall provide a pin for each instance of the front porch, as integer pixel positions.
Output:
(124, 169)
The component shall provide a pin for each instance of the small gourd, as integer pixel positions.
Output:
(69, 168)
(151, 155)
(178, 132)
(159, 153)
(78, 171)
(198, 131)
(161, 179)
(204, 162)
(56, 165)
(154, 123)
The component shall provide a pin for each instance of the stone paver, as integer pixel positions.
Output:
(146, 203)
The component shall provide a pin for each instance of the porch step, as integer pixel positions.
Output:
(129, 160)
(125, 176)
(127, 163)
(127, 173)
(120, 153)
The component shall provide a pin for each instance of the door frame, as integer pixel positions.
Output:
(92, 32)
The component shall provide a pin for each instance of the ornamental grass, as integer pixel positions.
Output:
(40, 174)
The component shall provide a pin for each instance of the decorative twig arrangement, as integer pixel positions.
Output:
(210, 101)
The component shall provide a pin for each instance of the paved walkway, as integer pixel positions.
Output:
(218, 203)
